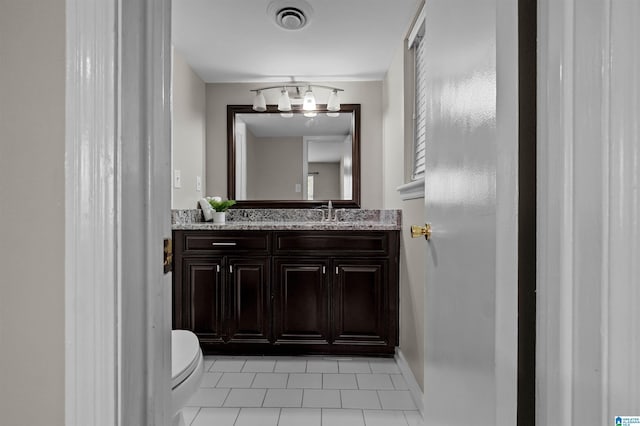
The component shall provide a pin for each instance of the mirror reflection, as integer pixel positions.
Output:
(289, 157)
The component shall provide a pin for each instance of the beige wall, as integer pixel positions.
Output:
(396, 107)
(274, 167)
(188, 141)
(366, 93)
(32, 108)
(326, 184)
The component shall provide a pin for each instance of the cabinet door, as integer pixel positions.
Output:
(203, 298)
(248, 296)
(300, 307)
(359, 312)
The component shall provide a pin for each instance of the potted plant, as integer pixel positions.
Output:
(220, 206)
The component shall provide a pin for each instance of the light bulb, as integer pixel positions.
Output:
(284, 103)
(259, 102)
(309, 103)
(333, 104)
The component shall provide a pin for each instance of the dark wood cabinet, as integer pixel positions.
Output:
(248, 299)
(359, 308)
(301, 301)
(203, 298)
(323, 292)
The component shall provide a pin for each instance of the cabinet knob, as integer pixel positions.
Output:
(418, 231)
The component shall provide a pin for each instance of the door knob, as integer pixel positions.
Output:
(418, 231)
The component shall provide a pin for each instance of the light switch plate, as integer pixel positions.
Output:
(198, 183)
(177, 179)
(298, 187)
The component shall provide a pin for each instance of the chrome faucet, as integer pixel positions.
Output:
(329, 210)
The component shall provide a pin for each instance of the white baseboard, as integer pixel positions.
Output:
(414, 387)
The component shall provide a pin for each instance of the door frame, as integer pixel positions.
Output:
(527, 121)
(589, 232)
(117, 211)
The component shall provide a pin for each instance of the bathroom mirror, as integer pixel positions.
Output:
(293, 160)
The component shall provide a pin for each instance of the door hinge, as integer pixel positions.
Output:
(218, 268)
(168, 255)
(336, 270)
(324, 270)
(231, 269)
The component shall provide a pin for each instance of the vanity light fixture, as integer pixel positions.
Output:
(333, 104)
(259, 102)
(284, 103)
(308, 102)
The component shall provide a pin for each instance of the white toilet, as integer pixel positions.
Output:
(187, 369)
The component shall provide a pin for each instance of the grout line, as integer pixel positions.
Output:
(194, 417)
(364, 420)
(237, 415)
(264, 398)
(279, 415)
(379, 399)
(253, 380)
(226, 397)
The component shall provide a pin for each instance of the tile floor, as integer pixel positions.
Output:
(301, 391)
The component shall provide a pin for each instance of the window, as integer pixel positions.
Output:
(420, 110)
(416, 153)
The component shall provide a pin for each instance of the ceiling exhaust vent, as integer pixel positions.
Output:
(291, 18)
(290, 15)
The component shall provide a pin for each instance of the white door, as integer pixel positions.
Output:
(470, 341)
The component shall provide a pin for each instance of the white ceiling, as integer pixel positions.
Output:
(236, 41)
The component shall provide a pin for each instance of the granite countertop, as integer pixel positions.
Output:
(287, 226)
(290, 220)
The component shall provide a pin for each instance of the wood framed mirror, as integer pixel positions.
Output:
(293, 160)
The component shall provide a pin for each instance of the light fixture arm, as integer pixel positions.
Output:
(296, 86)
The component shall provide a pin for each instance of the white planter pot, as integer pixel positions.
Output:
(219, 217)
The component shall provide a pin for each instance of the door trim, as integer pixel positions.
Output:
(92, 281)
(117, 321)
(527, 34)
(588, 204)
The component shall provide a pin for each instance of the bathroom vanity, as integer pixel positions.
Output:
(289, 286)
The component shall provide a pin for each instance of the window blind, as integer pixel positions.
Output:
(420, 110)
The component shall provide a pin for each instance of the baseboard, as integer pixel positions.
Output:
(407, 374)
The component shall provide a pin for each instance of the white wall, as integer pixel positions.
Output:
(188, 141)
(412, 254)
(366, 93)
(32, 146)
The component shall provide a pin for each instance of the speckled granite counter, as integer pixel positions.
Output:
(291, 219)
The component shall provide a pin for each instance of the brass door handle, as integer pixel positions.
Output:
(419, 231)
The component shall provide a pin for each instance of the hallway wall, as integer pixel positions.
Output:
(32, 221)
(412, 251)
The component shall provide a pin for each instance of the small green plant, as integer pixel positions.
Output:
(221, 206)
